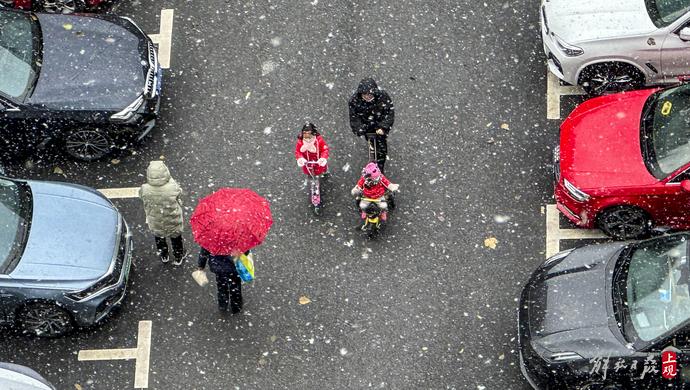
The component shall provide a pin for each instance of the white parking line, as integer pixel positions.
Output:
(120, 193)
(554, 91)
(164, 38)
(141, 354)
(554, 233)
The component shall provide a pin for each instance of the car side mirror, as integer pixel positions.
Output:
(684, 34)
(685, 185)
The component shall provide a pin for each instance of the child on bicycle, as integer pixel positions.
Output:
(311, 151)
(373, 185)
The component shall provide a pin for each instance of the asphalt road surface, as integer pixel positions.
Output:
(429, 304)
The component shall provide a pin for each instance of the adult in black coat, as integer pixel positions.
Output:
(372, 115)
(227, 279)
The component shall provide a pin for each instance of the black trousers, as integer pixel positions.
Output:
(229, 287)
(378, 149)
(177, 246)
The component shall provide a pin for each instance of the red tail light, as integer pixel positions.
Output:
(22, 4)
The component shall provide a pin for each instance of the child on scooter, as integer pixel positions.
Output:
(373, 185)
(311, 147)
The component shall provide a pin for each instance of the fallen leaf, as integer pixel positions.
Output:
(67, 26)
(246, 97)
(114, 161)
(490, 242)
(162, 157)
(505, 126)
(77, 386)
(303, 300)
(58, 171)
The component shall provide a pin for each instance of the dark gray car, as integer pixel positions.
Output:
(65, 254)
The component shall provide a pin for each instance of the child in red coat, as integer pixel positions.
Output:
(373, 185)
(311, 151)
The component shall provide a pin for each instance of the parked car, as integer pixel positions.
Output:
(65, 256)
(16, 377)
(56, 6)
(623, 162)
(616, 45)
(87, 83)
(599, 317)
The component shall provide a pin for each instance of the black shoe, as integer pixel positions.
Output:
(165, 259)
(179, 260)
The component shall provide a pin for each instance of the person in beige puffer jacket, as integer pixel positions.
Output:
(163, 207)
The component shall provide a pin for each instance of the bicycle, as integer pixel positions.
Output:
(372, 222)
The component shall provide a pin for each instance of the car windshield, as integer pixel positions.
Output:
(18, 68)
(656, 286)
(665, 131)
(665, 12)
(14, 222)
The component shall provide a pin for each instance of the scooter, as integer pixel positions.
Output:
(314, 187)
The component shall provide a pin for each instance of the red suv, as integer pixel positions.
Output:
(623, 162)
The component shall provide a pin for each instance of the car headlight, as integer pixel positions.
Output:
(567, 49)
(129, 111)
(558, 256)
(575, 192)
(89, 292)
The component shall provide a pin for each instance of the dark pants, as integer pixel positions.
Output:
(378, 149)
(229, 286)
(177, 246)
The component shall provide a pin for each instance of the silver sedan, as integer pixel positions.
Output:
(616, 45)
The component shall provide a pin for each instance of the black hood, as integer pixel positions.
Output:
(90, 63)
(368, 86)
(570, 305)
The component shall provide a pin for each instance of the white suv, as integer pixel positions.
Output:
(615, 45)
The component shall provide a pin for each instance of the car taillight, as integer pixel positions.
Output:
(94, 3)
(22, 4)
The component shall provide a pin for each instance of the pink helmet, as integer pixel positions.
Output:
(372, 172)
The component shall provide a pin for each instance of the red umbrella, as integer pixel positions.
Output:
(231, 221)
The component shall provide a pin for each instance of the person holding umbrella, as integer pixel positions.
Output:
(227, 224)
(228, 280)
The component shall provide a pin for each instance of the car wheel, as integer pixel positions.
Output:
(624, 222)
(44, 320)
(88, 144)
(62, 6)
(599, 79)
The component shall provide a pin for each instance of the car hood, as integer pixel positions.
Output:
(72, 237)
(568, 306)
(89, 63)
(580, 21)
(600, 143)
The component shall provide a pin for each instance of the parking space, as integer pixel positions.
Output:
(141, 355)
